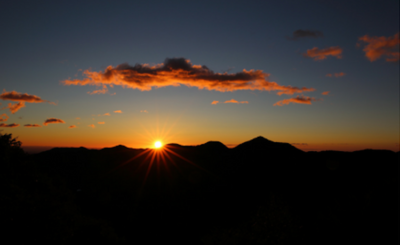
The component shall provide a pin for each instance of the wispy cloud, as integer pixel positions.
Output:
(214, 102)
(15, 107)
(92, 125)
(297, 100)
(3, 117)
(52, 120)
(179, 71)
(325, 93)
(118, 111)
(100, 91)
(72, 126)
(21, 99)
(12, 125)
(32, 125)
(15, 96)
(78, 118)
(106, 114)
(305, 33)
(321, 54)
(101, 122)
(381, 46)
(236, 102)
(339, 74)
(144, 111)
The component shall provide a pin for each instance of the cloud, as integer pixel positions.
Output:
(144, 111)
(106, 114)
(118, 111)
(92, 125)
(325, 93)
(299, 100)
(32, 125)
(381, 46)
(72, 126)
(177, 72)
(305, 33)
(78, 118)
(3, 117)
(321, 54)
(15, 96)
(340, 74)
(100, 91)
(15, 107)
(12, 125)
(214, 102)
(52, 120)
(236, 102)
(101, 122)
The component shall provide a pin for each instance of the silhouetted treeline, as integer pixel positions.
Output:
(260, 192)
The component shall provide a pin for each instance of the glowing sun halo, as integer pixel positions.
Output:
(157, 144)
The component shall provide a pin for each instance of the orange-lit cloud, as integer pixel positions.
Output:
(92, 125)
(299, 100)
(100, 91)
(144, 111)
(118, 111)
(52, 120)
(339, 74)
(179, 71)
(305, 33)
(101, 122)
(106, 114)
(214, 102)
(72, 126)
(3, 117)
(15, 107)
(381, 46)
(32, 125)
(78, 118)
(12, 125)
(236, 102)
(325, 93)
(15, 96)
(321, 54)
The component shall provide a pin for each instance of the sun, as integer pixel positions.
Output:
(157, 144)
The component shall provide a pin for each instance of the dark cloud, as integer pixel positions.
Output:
(298, 34)
(179, 71)
(15, 96)
(32, 125)
(12, 125)
(52, 120)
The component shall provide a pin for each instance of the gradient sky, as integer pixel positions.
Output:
(335, 62)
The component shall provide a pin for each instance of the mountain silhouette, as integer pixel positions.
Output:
(259, 190)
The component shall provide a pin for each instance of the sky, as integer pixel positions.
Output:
(320, 75)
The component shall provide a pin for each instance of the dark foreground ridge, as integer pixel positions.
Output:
(260, 192)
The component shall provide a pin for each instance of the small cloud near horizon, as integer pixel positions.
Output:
(339, 74)
(214, 102)
(236, 102)
(377, 47)
(179, 71)
(106, 114)
(118, 111)
(15, 107)
(21, 99)
(325, 93)
(3, 117)
(321, 54)
(297, 100)
(92, 125)
(305, 33)
(32, 125)
(52, 120)
(72, 126)
(78, 118)
(144, 111)
(12, 125)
